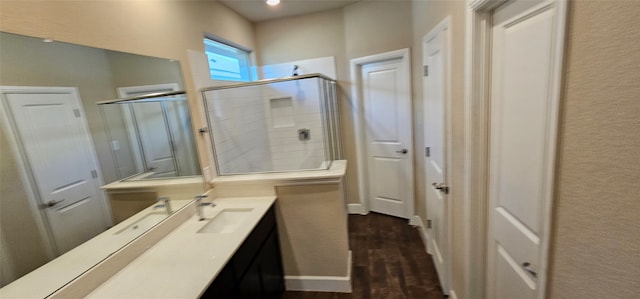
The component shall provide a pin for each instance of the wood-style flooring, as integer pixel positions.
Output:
(389, 261)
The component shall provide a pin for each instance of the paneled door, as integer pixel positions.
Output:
(436, 140)
(386, 108)
(57, 147)
(523, 128)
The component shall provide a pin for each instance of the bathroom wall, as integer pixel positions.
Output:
(595, 250)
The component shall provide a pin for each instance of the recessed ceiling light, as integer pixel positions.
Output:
(47, 40)
(273, 2)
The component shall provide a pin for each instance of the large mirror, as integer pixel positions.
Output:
(58, 147)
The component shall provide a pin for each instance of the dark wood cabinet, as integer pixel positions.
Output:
(255, 270)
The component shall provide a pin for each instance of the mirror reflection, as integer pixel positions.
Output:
(57, 148)
(150, 134)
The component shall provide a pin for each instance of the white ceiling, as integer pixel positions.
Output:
(258, 10)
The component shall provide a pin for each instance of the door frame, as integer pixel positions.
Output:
(26, 174)
(359, 128)
(476, 151)
(443, 27)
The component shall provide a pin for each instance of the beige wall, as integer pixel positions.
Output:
(595, 250)
(305, 208)
(373, 27)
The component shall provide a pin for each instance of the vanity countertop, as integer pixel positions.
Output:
(185, 262)
(45, 280)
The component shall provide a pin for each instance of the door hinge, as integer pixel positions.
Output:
(428, 223)
(426, 71)
(94, 174)
(427, 151)
(76, 112)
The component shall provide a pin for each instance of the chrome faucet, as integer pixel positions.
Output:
(200, 204)
(164, 204)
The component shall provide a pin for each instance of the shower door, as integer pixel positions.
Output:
(155, 138)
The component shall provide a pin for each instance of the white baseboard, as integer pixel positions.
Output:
(424, 235)
(357, 208)
(452, 295)
(340, 284)
(415, 221)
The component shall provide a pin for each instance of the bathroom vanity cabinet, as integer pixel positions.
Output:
(255, 270)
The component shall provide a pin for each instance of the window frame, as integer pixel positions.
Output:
(225, 49)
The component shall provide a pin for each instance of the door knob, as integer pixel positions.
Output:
(402, 151)
(52, 203)
(442, 187)
(527, 267)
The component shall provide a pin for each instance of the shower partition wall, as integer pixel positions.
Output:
(275, 125)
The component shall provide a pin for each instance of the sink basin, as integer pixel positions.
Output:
(143, 224)
(226, 222)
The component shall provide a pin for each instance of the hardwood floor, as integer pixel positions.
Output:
(389, 261)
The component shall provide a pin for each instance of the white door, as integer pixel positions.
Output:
(58, 149)
(155, 138)
(523, 123)
(386, 108)
(436, 137)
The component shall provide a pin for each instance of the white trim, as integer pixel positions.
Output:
(476, 200)
(423, 231)
(476, 150)
(357, 208)
(340, 284)
(443, 27)
(26, 174)
(356, 102)
(452, 294)
(415, 221)
(124, 92)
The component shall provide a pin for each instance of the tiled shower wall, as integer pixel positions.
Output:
(241, 138)
(287, 151)
(256, 127)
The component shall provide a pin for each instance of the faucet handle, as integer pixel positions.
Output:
(162, 199)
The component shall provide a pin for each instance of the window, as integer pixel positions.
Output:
(227, 62)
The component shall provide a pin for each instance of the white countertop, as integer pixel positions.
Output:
(336, 170)
(45, 280)
(185, 262)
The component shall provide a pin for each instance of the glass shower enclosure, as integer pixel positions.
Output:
(274, 125)
(151, 136)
